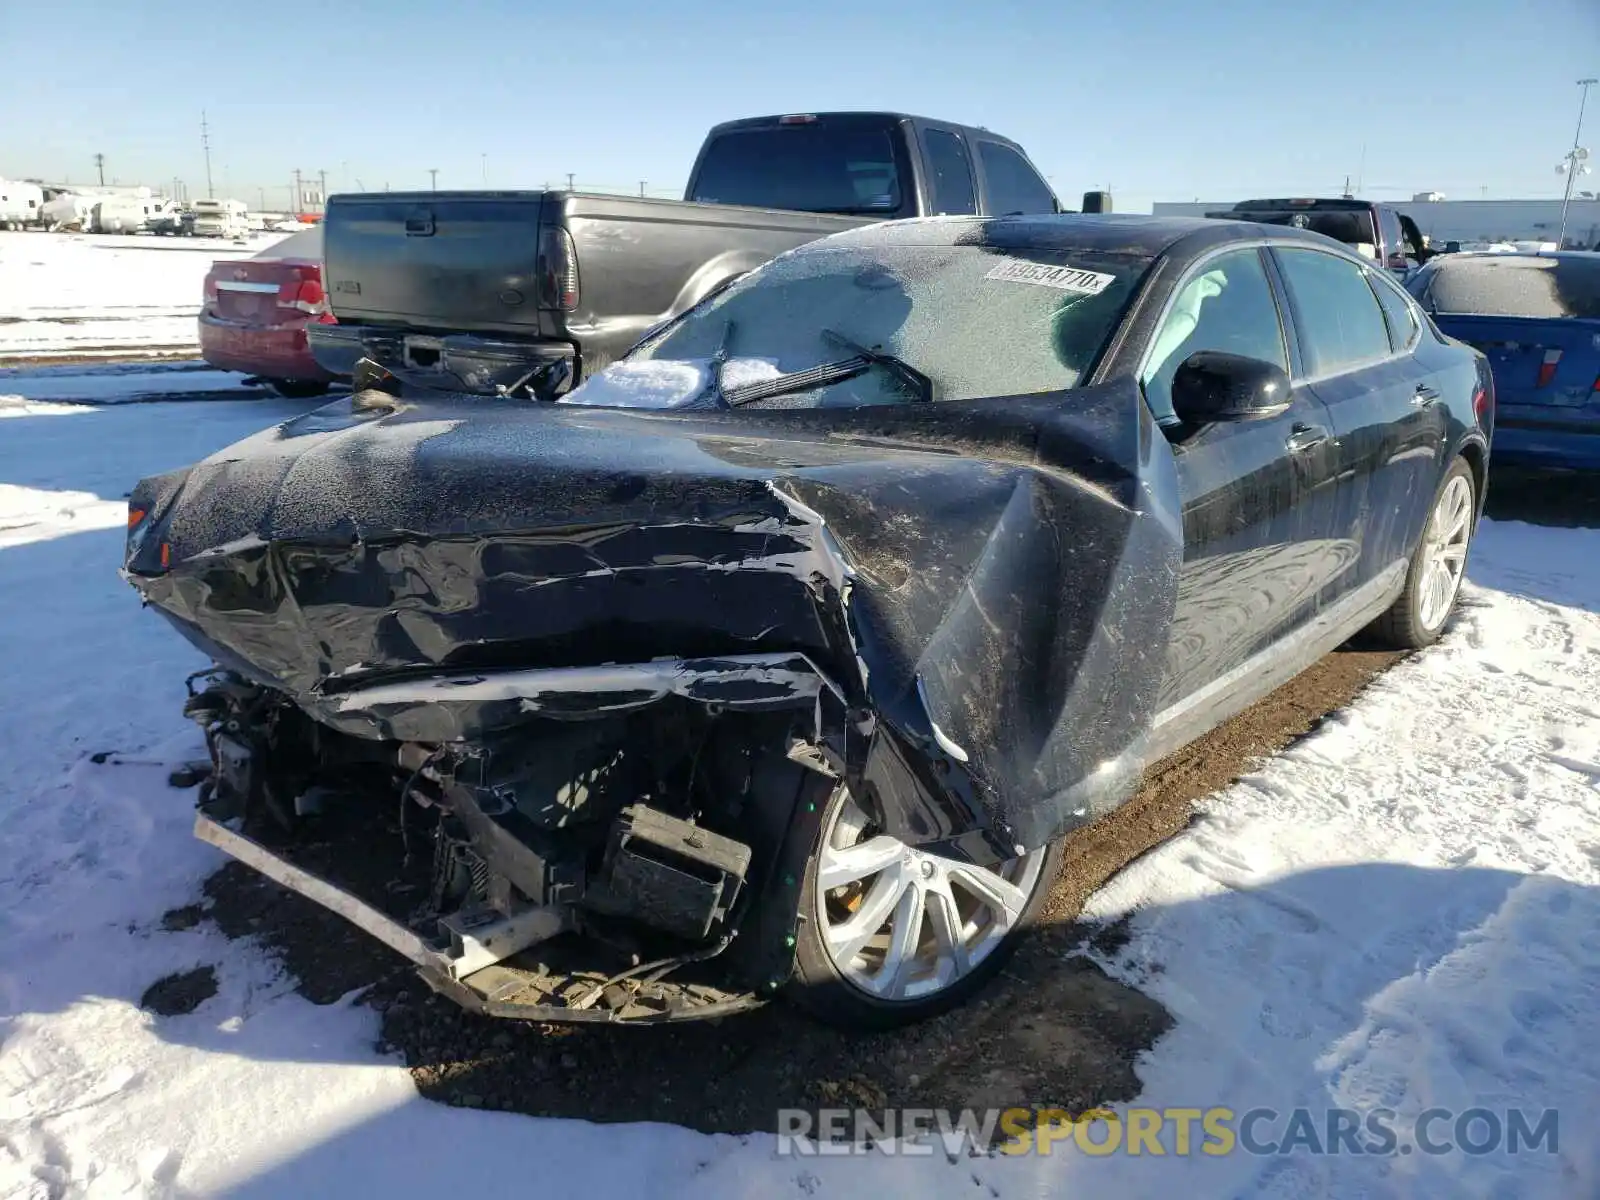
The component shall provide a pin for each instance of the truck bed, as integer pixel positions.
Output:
(470, 262)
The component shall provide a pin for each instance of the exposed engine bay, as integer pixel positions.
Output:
(645, 836)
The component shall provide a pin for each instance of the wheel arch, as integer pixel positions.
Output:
(1477, 457)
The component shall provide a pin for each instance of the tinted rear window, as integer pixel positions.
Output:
(809, 168)
(1352, 227)
(1513, 286)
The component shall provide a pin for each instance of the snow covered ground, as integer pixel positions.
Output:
(1401, 911)
(110, 296)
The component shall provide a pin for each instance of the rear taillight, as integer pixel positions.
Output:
(1547, 368)
(304, 293)
(210, 291)
(558, 270)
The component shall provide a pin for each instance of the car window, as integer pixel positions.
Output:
(1397, 311)
(1227, 305)
(817, 167)
(1014, 186)
(1512, 285)
(1394, 242)
(951, 169)
(975, 322)
(1337, 317)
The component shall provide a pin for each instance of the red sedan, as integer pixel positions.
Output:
(256, 311)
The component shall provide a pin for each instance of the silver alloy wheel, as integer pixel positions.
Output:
(1444, 552)
(902, 924)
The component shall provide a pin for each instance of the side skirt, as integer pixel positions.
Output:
(1228, 695)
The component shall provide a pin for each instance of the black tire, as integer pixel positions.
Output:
(1403, 626)
(298, 389)
(821, 990)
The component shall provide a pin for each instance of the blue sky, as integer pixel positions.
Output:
(1160, 99)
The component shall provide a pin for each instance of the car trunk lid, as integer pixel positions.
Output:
(268, 290)
(1539, 361)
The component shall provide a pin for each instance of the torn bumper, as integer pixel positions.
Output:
(493, 967)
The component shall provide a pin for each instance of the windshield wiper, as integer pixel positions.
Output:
(898, 367)
(826, 374)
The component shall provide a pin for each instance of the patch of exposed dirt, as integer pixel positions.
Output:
(1163, 804)
(174, 995)
(1054, 1030)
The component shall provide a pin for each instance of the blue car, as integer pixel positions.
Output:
(1536, 317)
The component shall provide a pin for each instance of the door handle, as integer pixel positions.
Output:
(1305, 438)
(1424, 396)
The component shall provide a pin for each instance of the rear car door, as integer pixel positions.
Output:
(1357, 354)
(952, 188)
(1257, 494)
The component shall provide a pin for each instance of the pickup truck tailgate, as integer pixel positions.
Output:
(448, 260)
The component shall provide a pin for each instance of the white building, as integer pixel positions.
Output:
(1467, 220)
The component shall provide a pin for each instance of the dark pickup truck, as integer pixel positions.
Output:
(525, 293)
(1384, 234)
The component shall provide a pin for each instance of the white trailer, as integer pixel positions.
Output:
(69, 211)
(21, 204)
(122, 214)
(221, 218)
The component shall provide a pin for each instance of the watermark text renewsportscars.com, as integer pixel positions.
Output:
(1160, 1132)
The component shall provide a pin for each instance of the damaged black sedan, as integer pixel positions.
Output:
(782, 655)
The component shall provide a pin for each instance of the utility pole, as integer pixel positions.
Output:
(322, 180)
(297, 191)
(570, 188)
(100, 166)
(433, 175)
(641, 189)
(205, 145)
(1347, 194)
(263, 207)
(484, 159)
(1575, 159)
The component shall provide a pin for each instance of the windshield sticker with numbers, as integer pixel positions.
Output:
(1066, 279)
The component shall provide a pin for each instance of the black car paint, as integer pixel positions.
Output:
(464, 266)
(1021, 600)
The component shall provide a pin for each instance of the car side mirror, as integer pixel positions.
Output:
(1213, 385)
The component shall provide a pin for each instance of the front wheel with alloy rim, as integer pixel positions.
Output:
(890, 934)
(1433, 580)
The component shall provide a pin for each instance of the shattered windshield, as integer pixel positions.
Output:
(845, 326)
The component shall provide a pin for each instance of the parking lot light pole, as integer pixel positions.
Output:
(1574, 159)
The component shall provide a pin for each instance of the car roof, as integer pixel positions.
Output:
(855, 115)
(1110, 233)
(1481, 255)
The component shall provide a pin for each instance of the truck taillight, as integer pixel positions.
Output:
(558, 271)
(210, 291)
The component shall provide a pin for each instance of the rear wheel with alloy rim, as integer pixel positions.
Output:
(1437, 568)
(891, 934)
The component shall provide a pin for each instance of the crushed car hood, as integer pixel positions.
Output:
(995, 579)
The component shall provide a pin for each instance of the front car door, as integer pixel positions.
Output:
(1010, 184)
(1357, 335)
(1256, 494)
